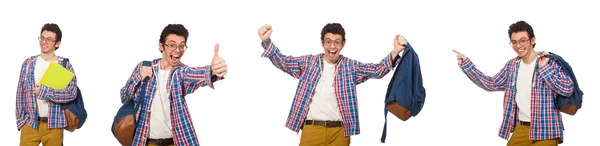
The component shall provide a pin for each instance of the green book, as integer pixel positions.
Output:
(57, 77)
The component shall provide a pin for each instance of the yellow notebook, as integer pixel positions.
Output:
(56, 76)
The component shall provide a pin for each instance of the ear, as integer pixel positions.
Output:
(57, 44)
(160, 47)
(343, 44)
(533, 41)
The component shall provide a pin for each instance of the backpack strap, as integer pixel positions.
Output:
(64, 62)
(143, 85)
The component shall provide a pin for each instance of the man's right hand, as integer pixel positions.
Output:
(36, 89)
(146, 71)
(459, 57)
(265, 32)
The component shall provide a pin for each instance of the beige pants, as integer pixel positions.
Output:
(314, 135)
(48, 137)
(520, 137)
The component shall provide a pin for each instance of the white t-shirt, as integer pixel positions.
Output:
(160, 108)
(524, 83)
(324, 103)
(41, 66)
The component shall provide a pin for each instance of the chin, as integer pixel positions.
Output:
(334, 59)
(521, 54)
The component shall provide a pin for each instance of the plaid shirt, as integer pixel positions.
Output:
(184, 80)
(349, 73)
(26, 112)
(549, 80)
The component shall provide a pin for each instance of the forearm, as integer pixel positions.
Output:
(59, 95)
(287, 64)
(128, 91)
(195, 77)
(385, 65)
(367, 71)
(480, 79)
(20, 101)
(556, 79)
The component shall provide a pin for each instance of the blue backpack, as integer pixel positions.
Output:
(571, 104)
(75, 112)
(124, 123)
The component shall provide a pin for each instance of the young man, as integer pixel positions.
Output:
(325, 105)
(164, 118)
(530, 83)
(39, 115)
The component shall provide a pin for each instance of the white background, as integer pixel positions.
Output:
(106, 39)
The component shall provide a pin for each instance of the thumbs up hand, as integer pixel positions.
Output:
(218, 65)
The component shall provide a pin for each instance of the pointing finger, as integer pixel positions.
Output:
(457, 52)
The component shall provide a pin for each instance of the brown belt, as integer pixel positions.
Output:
(43, 119)
(324, 123)
(525, 123)
(160, 142)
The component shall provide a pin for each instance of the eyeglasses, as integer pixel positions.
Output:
(328, 42)
(47, 40)
(182, 47)
(522, 41)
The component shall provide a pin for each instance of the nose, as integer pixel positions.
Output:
(332, 45)
(178, 49)
(519, 45)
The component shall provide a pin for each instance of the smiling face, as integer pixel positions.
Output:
(173, 49)
(333, 39)
(522, 39)
(521, 43)
(332, 44)
(48, 42)
(172, 44)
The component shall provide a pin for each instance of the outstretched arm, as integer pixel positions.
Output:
(366, 71)
(195, 77)
(288, 64)
(495, 83)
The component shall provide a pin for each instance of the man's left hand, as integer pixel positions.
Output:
(219, 67)
(543, 60)
(399, 43)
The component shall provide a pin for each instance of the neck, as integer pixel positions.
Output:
(331, 61)
(50, 57)
(530, 57)
(164, 65)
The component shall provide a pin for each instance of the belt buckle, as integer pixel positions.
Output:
(327, 124)
(161, 142)
(43, 119)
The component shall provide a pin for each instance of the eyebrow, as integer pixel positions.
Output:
(45, 37)
(183, 42)
(519, 39)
